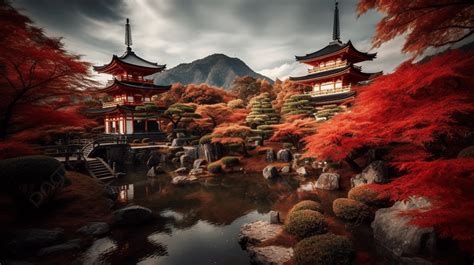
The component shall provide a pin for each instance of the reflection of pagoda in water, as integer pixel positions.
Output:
(333, 72)
(130, 92)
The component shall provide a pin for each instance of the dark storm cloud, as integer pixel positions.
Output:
(265, 34)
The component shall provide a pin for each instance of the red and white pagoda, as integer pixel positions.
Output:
(129, 91)
(333, 72)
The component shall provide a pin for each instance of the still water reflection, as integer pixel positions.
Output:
(196, 224)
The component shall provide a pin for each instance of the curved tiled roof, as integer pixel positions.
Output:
(333, 47)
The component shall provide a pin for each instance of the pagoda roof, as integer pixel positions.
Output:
(111, 109)
(130, 61)
(334, 48)
(332, 73)
(149, 87)
(333, 98)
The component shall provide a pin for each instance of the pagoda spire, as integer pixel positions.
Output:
(128, 36)
(336, 31)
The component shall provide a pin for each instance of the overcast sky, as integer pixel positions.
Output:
(266, 34)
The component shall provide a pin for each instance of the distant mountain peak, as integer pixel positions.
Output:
(218, 70)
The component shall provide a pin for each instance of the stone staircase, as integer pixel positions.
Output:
(99, 169)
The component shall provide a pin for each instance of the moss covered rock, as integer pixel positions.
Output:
(350, 210)
(305, 223)
(214, 168)
(307, 205)
(325, 249)
(368, 195)
(230, 160)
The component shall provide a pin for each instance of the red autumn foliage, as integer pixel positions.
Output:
(229, 133)
(215, 113)
(38, 79)
(198, 94)
(427, 22)
(294, 130)
(422, 113)
(284, 90)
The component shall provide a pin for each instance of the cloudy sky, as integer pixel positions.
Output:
(266, 34)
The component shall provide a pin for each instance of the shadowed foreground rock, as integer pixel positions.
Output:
(132, 215)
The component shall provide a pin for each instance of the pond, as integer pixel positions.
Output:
(199, 223)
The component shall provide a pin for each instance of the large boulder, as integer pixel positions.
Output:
(153, 160)
(375, 172)
(285, 170)
(71, 245)
(393, 231)
(96, 229)
(284, 155)
(177, 142)
(328, 181)
(133, 215)
(467, 152)
(270, 172)
(186, 161)
(198, 163)
(270, 255)
(270, 155)
(30, 239)
(302, 171)
(257, 232)
(180, 180)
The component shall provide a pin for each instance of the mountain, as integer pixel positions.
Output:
(216, 70)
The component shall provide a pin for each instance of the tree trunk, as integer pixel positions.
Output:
(244, 147)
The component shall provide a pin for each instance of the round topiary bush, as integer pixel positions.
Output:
(230, 160)
(214, 168)
(350, 210)
(307, 205)
(287, 145)
(136, 141)
(328, 249)
(367, 194)
(206, 139)
(146, 140)
(305, 223)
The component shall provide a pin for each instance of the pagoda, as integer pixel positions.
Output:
(129, 92)
(333, 73)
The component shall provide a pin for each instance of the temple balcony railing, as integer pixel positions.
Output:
(324, 92)
(133, 79)
(318, 69)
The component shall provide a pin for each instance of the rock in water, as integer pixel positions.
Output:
(25, 240)
(74, 244)
(270, 255)
(270, 155)
(257, 232)
(328, 181)
(275, 217)
(185, 161)
(97, 229)
(153, 160)
(181, 170)
(393, 231)
(199, 162)
(184, 180)
(133, 215)
(270, 172)
(284, 155)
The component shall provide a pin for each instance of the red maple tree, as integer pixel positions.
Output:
(294, 130)
(426, 22)
(38, 79)
(229, 133)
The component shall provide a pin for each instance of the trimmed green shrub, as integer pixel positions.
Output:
(136, 141)
(28, 175)
(146, 140)
(194, 142)
(328, 249)
(214, 168)
(307, 205)
(367, 194)
(230, 160)
(206, 139)
(287, 145)
(350, 210)
(305, 223)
